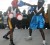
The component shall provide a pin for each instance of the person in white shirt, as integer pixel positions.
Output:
(37, 20)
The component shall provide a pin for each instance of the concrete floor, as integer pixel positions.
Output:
(19, 36)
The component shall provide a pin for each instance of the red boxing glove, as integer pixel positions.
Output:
(19, 16)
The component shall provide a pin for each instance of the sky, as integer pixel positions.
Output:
(4, 4)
